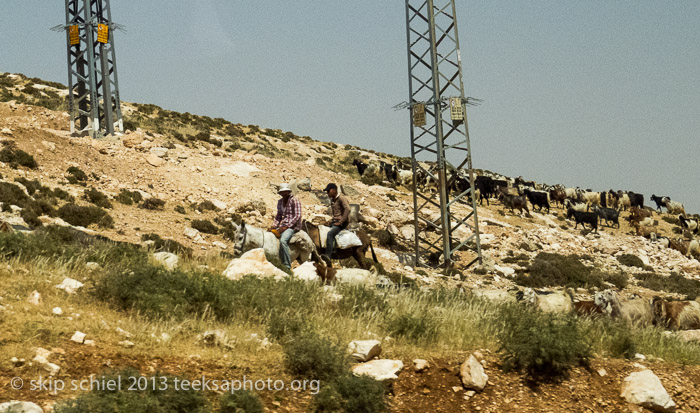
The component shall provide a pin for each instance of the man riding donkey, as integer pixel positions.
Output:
(287, 221)
(341, 212)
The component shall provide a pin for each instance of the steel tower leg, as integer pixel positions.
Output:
(93, 90)
(439, 133)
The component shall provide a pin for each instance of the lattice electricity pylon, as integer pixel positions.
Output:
(93, 90)
(439, 131)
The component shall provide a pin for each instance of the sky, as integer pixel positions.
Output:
(596, 94)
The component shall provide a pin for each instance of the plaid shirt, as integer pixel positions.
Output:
(289, 216)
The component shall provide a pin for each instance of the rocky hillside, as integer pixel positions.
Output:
(182, 177)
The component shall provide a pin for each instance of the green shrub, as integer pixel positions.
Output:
(152, 203)
(621, 343)
(17, 157)
(180, 209)
(96, 197)
(671, 220)
(31, 218)
(85, 215)
(359, 300)
(240, 401)
(32, 186)
(61, 194)
(544, 345)
(205, 226)
(403, 282)
(675, 283)
(630, 260)
(385, 238)
(153, 399)
(286, 325)
(206, 206)
(522, 259)
(414, 326)
(311, 356)
(552, 269)
(167, 245)
(127, 197)
(76, 175)
(11, 194)
(618, 279)
(350, 393)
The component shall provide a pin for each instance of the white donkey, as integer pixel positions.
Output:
(248, 237)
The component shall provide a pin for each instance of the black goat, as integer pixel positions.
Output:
(609, 215)
(361, 166)
(390, 171)
(514, 201)
(538, 199)
(659, 201)
(636, 199)
(583, 218)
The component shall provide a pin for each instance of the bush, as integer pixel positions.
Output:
(11, 194)
(17, 157)
(286, 325)
(32, 186)
(414, 326)
(240, 401)
(98, 198)
(202, 225)
(619, 279)
(675, 283)
(152, 203)
(630, 260)
(360, 300)
(167, 245)
(76, 175)
(552, 269)
(83, 216)
(31, 218)
(385, 238)
(180, 209)
(151, 400)
(544, 345)
(351, 393)
(206, 206)
(129, 197)
(311, 356)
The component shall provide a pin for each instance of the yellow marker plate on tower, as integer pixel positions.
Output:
(74, 35)
(456, 112)
(102, 33)
(418, 115)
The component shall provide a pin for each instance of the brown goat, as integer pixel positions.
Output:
(677, 315)
(586, 308)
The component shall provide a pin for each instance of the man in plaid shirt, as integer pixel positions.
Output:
(287, 221)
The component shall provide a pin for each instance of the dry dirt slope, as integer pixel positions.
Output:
(195, 171)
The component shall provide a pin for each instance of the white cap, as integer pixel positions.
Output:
(284, 187)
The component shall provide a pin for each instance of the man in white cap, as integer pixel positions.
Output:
(287, 221)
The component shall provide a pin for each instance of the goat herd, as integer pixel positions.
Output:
(585, 207)
(640, 312)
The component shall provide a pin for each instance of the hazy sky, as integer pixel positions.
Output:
(597, 94)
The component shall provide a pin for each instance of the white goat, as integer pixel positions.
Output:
(548, 302)
(637, 312)
(674, 207)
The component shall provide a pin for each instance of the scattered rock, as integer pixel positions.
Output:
(219, 244)
(159, 152)
(20, 407)
(252, 262)
(473, 375)
(167, 259)
(216, 338)
(254, 205)
(349, 191)
(78, 337)
(303, 184)
(379, 370)
(126, 344)
(92, 266)
(420, 365)
(365, 350)
(644, 388)
(70, 285)
(41, 358)
(57, 311)
(34, 298)
(123, 333)
(132, 140)
(154, 160)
